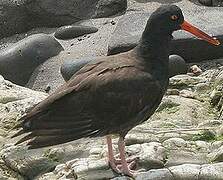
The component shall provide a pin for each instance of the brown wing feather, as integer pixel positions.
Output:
(102, 98)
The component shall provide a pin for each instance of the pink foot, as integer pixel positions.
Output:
(118, 168)
(121, 165)
(118, 160)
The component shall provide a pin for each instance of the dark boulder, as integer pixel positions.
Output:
(13, 18)
(57, 13)
(18, 61)
(70, 66)
(53, 13)
(177, 65)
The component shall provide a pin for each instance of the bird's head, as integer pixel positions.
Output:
(169, 18)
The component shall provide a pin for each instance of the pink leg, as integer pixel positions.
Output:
(120, 165)
(111, 159)
(125, 167)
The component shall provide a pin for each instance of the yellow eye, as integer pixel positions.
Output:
(174, 17)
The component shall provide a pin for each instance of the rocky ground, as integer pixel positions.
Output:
(182, 140)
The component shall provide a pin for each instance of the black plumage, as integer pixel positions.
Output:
(111, 95)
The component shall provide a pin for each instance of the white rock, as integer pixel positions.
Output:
(175, 142)
(14, 101)
(216, 155)
(202, 145)
(150, 154)
(186, 171)
(211, 171)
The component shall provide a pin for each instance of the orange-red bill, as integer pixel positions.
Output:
(200, 34)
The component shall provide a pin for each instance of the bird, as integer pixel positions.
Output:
(112, 95)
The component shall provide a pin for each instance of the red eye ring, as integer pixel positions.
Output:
(174, 17)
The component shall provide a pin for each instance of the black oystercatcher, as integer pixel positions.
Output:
(111, 95)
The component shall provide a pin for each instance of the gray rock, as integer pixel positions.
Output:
(70, 32)
(95, 166)
(130, 27)
(18, 61)
(7, 173)
(151, 155)
(186, 171)
(94, 44)
(211, 171)
(184, 156)
(137, 137)
(217, 3)
(220, 130)
(14, 101)
(155, 174)
(177, 65)
(216, 155)
(210, 123)
(83, 168)
(13, 18)
(216, 145)
(127, 32)
(57, 13)
(70, 67)
(202, 88)
(185, 81)
(216, 94)
(47, 176)
(169, 135)
(22, 15)
(188, 94)
(29, 165)
(121, 178)
(206, 2)
(175, 143)
(107, 8)
(202, 146)
(180, 112)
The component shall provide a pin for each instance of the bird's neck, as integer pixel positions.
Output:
(154, 52)
(153, 44)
